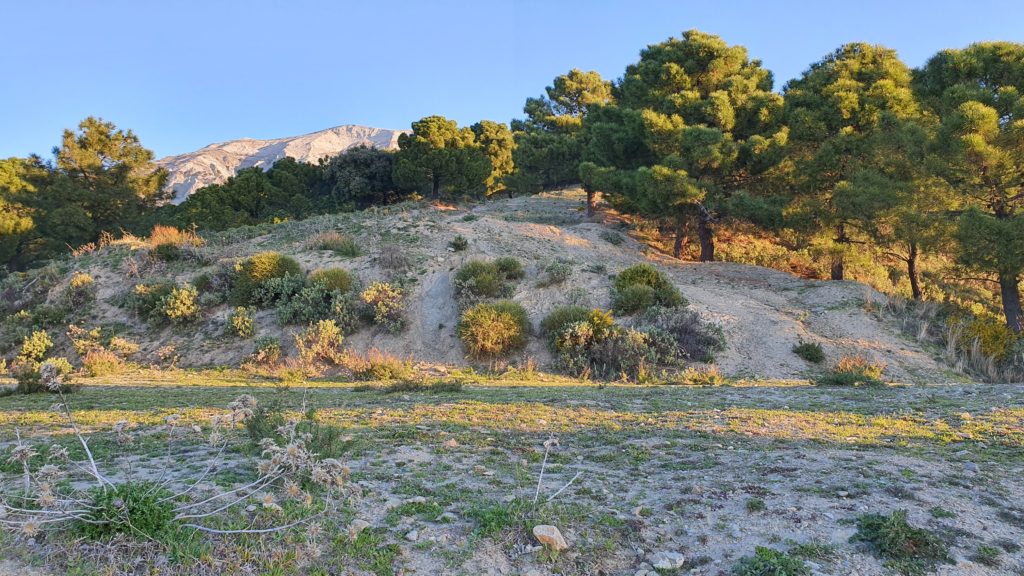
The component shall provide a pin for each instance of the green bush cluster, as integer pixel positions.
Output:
(166, 252)
(320, 343)
(810, 351)
(479, 279)
(334, 279)
(146, 299)
(905, 548)
(241, 323)
(180, 306)
(81, 289)
(560, 318)
(459, 243)
(257, 269)
(491, 330)
(555, 272)
(340, 244)
(683, 334)
(598, 346)
(853, 371)
(769, 562)
(640, 287)
(315, 302)
(276, 291)
(134, 508)
(386, 305)
(266, 352)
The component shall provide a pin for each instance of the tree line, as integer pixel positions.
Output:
(859, 153)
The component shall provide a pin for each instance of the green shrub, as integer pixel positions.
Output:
(334, 278)
(555, 272)
(493, 330)
(240, 323)
(853, 371)
(266, 352)
(336, 242)
(34, 347)
(317, 302)
(167, 252)
(613, 238)
(994, 338)
(632, 299)
(561, 318)
(320, 343)
(29, 375)
(459, 243)
(387, 303)
(257, 269)
(181, 305)
(769, 562)
(131, 508)
(988, 555)
(277, 291)
(810, 351)
(81, 289)
(906, 549)
(510, 268)
(145, 299)
(377, 365)
(689, 337)
(478, 279)
(628, 299)
(99, 362)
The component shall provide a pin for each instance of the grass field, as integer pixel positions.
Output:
(447, 475)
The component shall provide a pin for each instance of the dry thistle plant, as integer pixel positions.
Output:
(64, 494)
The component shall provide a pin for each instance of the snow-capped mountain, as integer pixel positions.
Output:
(216, 162)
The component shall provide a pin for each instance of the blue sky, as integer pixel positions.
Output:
(184, 74)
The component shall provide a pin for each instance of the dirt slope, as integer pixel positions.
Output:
(763, 312)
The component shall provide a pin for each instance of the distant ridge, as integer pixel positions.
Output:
(215, 163)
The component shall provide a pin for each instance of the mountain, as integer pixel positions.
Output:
(217, 162)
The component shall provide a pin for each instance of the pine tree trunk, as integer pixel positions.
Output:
(915, 280)
(590, 203)
(436, 186)
(677, 246)
(706, 235)
(1011, 301)
(839, 259)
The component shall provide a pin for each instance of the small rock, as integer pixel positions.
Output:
(250, 508)
(971, 467)
(446, 517)
(412, 535)
(356, 527)
(416, 500)
(451, 443)
(842, 493)
(666, 560)
(550, 536)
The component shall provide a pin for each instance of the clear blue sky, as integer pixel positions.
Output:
(183, 74)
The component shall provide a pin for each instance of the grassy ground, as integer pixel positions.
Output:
(448, 477)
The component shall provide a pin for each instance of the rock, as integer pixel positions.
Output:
(446, 517)
(666, 560)
(452, 443)
(356, 527)
(412, 535)
(971, 467)
(842, 493)
(416, 500)
(550, 536)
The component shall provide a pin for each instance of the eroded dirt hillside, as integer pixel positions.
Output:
(763, 312)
